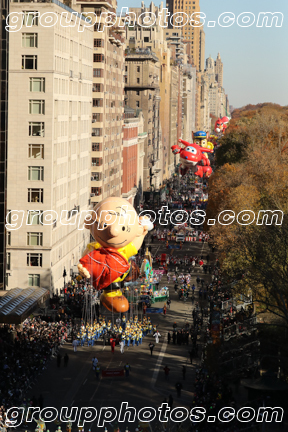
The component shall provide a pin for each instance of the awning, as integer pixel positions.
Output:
(17, 304)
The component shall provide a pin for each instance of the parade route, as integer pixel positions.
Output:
(77, 385)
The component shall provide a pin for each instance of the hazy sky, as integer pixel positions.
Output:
(255, 59)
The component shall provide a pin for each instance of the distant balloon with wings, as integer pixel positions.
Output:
(193, 157)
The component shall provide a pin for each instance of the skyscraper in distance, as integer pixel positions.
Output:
(191, 34)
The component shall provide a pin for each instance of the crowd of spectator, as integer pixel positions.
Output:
(24, 353)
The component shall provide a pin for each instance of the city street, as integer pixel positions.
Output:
(76, 385)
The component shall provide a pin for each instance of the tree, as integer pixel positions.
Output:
(252, 174)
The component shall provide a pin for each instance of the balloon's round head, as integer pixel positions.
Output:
(114, 223)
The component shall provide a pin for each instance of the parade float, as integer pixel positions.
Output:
(200, 138)
(104, 262)
(193, 158)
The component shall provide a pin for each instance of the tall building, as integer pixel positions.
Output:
(189, 95)
(142, 91)
(174, 117)
(49, 146)
(219, 70)
(154, 38)
(191, 34)
(175, 43)
(202, 50)
(4, 10)
(211, 94)
(133, 154)
(107, 101)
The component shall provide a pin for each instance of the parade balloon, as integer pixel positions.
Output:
(225, 120)
(218, 126)
(193, 157)
(210, 145)
(200, 138)
(118, 234)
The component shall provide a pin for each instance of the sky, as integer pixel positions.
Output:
(255, 59)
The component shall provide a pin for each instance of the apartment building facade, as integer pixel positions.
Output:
(142, 91)
(133, 154)
(49, 146)
(191, 33)
(4, 10)
(107, 101)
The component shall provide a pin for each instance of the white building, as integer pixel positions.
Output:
(49, 145)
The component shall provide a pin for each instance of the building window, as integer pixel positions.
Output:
(37, 85)
(34, 217)
(146, 39)
(126, 68)
(97, 87)
(96, 132)
(96, 117)
(96, 161)
(30, 40)
(8, 261)
(29, 62)
(137, 104)
(95, 176)
(96, 190)
(138, 67)
(98, 58)
(34, 259)
(30, 18)
(138, 80)
(36, 106)
(96, 147)
(137, 93)
(36, 151)
(35, 173)
(99, 43)
(8, 238)
(97, 73)
(96, 103)
(36, 129)
(34, 280)
(34, 239)
(35, 195)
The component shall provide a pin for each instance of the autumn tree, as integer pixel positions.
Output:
(252, 175)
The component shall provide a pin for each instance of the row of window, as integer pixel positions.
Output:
(34, 259)
(33, 279)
